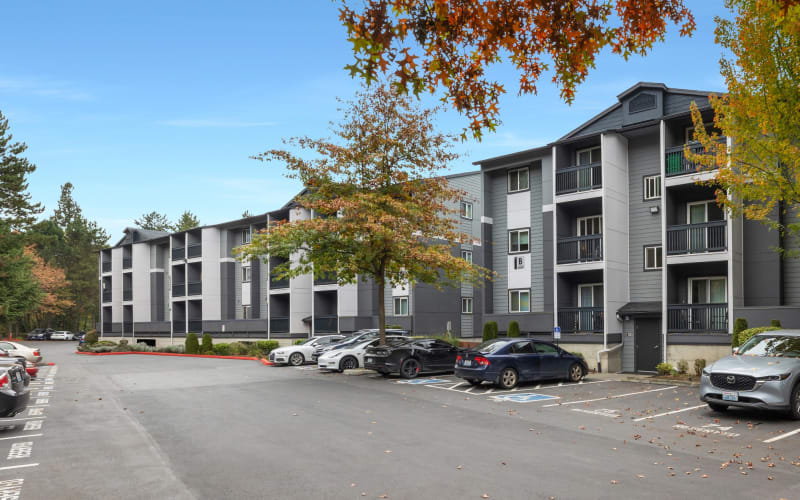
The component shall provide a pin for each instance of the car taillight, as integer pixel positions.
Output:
(458, 358)
(35, 353)
(3, 380)
(482, 361)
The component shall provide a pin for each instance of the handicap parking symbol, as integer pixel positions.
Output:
(421, 381)
(522, 397)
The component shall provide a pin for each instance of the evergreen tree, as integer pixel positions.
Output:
(19, 290)
(16, 207)
(154, 221)
(187, 221)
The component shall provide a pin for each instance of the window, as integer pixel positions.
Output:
(245, 236)
(246, 312)
(518, 180)
(518, 241)
(519, 262)
(466, 305)
(587, 226)
(401, 306)
(519, 301)
(524, 347)
(588, 156)
(708, 290)
(466, 210)
(467, 255)
(652, 187)
(546, 349)
(245, 274)
(653, 257)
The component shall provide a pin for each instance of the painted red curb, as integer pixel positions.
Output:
(267, 363)
(247, 358)
(51, 364)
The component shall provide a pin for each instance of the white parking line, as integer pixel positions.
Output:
(18, 466)
(20, 437)
(456, 385)
(669, 413)
(25, 418)
(781, 436)
(610, 397)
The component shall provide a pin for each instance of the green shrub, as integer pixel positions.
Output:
(394, 327)
(105, 343)
(513, 329)
(683, 367)
(238, 349)
(579, 354)
(176, 349)
(91, 337)
(192, 346)
(699, 364)
(776, 323)
(123, 342)
(489, 330)
(222, 349)
(739, 326)
(746, 334)
(449, 339)
(664, 369)
(208, 344)
(264, 347)
(299, 341)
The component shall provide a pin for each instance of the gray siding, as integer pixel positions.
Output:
(536, 239)
(645, 228)
(679, 103)
(499, 189)
(237, 289)
(791, 263)
(612, 120)
(471, 186)
(263, 279)
(628, 346)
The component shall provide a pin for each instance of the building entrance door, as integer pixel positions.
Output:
(648, 341)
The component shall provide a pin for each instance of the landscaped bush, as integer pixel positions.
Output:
(683, 367)
(175, 349)
(776, 323)
(664, 369)
(222, 349)
(579, 354)
(238, 349)
(489, 330)
(192, 346)
(139, 347)
(745, 335)
(699, 364)
(394, 327)
(263, 348)
(91, 337)
(449, 339)
(513, 329)
(299, 341)
(208, 344)
(739, 326)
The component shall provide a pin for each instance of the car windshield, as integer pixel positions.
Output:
(490, 346)
(307, 341)
(772, 345)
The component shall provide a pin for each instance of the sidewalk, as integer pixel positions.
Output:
(642, 379)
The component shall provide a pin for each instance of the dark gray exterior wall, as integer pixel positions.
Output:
(791, 264)
(255, 288)
(789, 316)
(762, 265)
(228, 292)
(679, 103)
(151, 327)
(547, 260)
(157, 296)
(432, 309)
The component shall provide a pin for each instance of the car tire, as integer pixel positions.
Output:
(473, 381)
(794, 411)
(348, 363)
(410, 368)
(384, 373)
(509, 378)
(718, 407)
(297, 359)
(575, 373)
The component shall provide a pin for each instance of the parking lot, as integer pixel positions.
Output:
(163, 427)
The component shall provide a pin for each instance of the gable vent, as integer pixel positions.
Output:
(642, 102)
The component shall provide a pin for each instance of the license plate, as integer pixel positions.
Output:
(368, 360)
(467, 362)
(16, 377)
(730, 396)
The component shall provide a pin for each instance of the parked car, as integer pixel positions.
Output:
(21, 362)
(299, 354)
(506, 363)
(15, 349)
(62, 335)
(357, 338)
(14, 395)
(764, 373)
(412, 357)
(350, 356)
(35, 334)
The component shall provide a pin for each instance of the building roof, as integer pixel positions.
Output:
(137, 235)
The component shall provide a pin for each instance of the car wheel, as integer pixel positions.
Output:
(348, 363)
(385, 373)
(297, 359)
(410, 368)
(575, 373)
(508, 378)
(795, 411)
(717, 407)
(473, 381)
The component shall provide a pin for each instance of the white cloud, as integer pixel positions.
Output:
(43, 88)
(215, 123)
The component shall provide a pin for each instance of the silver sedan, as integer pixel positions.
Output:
(764, 373)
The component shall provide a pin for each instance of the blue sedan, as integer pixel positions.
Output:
(509, 362)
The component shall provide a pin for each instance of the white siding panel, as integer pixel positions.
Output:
(519, 209)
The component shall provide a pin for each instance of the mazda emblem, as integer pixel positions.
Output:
(731, 379)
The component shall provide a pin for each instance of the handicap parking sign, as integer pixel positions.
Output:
(523, 397)
(421, 381)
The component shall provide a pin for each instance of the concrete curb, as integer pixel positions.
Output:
(176, 354)
(356, 372)
(684, 383)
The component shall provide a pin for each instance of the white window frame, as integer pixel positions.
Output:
(466, 305)
(517, 172)
(245, 310)
(246, 237)
(708, 289)
(592, 286)
(519, 249)
(657, 249)
(598, 218)
(465, 208)
(247, 275)
(652, 183)
(578, 156)
(705, 203)
(467, 255)
(519, 294)
(399, 301)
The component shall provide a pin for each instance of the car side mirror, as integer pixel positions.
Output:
(735, 351)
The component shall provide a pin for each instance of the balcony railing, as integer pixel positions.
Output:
(580, 319)
(178, 253)
(194, 250)
(127, 327)
(107, 296)
(580, 249)
(275, 283)
(127, 294)
(106, 327)
(107, 266)
(127, 263)
(279, 325)
(678, 164)
(697, 238)
(195, 288)
(326, 324)
(195, 326)
(326, 279)
(581, 178)
(697, 318)
(179, 289)
(178, 326)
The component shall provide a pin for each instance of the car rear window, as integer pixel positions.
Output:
(491, 346)
(772, 345)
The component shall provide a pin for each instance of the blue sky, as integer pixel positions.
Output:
(158, 105)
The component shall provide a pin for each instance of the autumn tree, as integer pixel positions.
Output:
(449, 45)
(154, 221)
(53, 286)
(380, 211)
(759, 177)
(186, 221)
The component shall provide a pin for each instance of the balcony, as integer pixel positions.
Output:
(179, 289)
(194, 250)
(697, 238)
(195, 288)
(677, 163)
(279, 325)
(697, 318)
(326, 279)
(580, 249)
(580, 319)
(326, 324)
(275, 283)
(195, 326)
(577, 179)
(107, 266)
(127, 294)
(106, 327)
(178, 326)
(107, 296)
(127, 263)
(178, 253)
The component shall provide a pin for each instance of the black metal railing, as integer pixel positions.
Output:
(127, 294)
(278, 283)
(697, 238)
(195, 288)
(700, 318)
(580, 178)
(178, 326)
(107, 266)
(326, 324)
(279, 325)
(580, 249)
(325, 279)
(580, 319)
(127, 327)
(677, 163)
(194, 250)
(178, 253)
(106, 327)
(195, 326)
(127, 263)
(179, 289)
(107, 296)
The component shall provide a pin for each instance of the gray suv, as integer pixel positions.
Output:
(764, 373)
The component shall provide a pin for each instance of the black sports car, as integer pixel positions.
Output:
(412, 357)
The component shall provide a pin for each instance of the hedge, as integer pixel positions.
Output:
(513, 329)
(739, 326)
(192, 346)
(489, 330)
(745, 335)
(207, 346)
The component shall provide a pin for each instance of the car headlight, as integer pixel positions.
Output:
(706, 372)
(782, 376)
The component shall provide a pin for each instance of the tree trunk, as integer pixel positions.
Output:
(381, 311)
